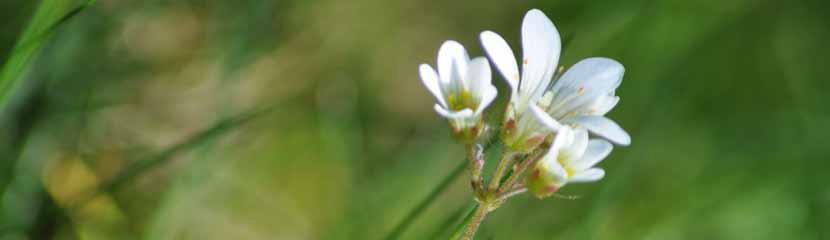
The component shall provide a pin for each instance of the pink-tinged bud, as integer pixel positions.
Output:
(540, 183)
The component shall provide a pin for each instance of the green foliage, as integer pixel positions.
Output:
(147, 99)
(47, 18)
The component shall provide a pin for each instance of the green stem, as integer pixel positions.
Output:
(475, 221)
(512, 192)
(495, 181)
(476, 165)
(418, 210)
(524, 165)
(402, 226)
(459, 230)
(444, 226)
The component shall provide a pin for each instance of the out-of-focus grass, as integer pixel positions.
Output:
(46, 19)
(724, 101)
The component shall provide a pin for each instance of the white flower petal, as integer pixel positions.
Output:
(550, 162)
(584, 83)
(597, 151)
(503, 57)
(544, 118)
(430, 80)
(488, 94)
(451, 52)
(453, 115)
(575, 151)
(540, 48)
(457, 83)
(559, 174)
(478, 75)
(605, 128)
(590, 175)
(603, 104)
(597, 74)
(564, 138)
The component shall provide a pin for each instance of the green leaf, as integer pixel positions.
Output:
(47, 18)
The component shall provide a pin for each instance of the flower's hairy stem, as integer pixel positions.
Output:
(481, 212)
(476, 165)
(505, 162)
(516, 190)
(497, 191)
(459, 229)
(518, 170)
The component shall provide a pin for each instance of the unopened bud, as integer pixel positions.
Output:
(541, 183)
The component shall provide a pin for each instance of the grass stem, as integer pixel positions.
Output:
(419, 209)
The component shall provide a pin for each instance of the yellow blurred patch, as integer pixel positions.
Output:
(71, 183)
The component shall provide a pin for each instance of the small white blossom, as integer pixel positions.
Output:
(570, 159)
(462, 87)
(580, 97)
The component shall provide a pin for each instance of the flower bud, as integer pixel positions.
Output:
(543, 182)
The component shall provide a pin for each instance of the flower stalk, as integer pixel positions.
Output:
(498, 191)
(516, 190)
(518, 169)
(479, 215)
(504, 164)
(476, 164)
(554, 130)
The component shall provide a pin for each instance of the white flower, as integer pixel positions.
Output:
(570, 159)
(462, 86)
(580, 97)
(540, 47)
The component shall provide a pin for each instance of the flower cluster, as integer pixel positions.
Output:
(554, 128)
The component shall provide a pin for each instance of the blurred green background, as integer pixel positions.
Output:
(156, 105)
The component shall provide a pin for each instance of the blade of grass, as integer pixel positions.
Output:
(445, 225)
(419, 209)
(416, 212)
(47, 18)
(144, 165)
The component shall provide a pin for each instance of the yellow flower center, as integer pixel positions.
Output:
(461, 100)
